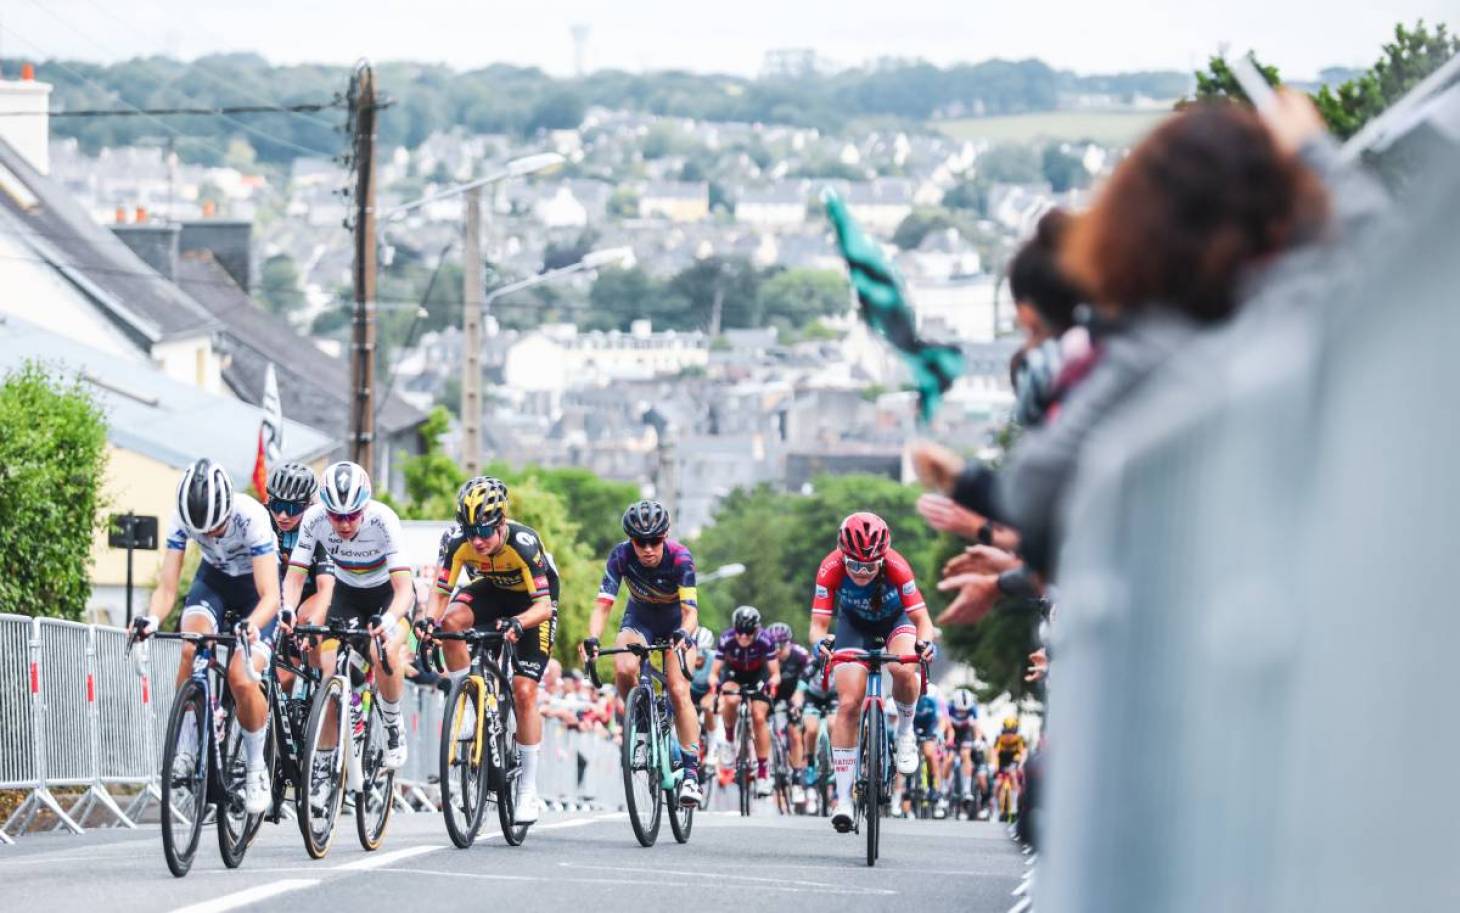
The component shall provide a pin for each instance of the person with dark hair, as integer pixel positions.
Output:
(1197, 211)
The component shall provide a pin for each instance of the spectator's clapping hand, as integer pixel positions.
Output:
(1038, 665)
(937, 466)
(976, 595)
(945, 516)
(1295, 121)
(980, 559)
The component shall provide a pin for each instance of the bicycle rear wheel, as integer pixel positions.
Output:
(376, 797)
(324, 782)
(236, 827)
(681, 817)
(743, 779)
(642, 792)
(873, 746)
(185, 789)
(510, 768)
(825, 780)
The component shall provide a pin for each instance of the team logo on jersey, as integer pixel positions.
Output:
(525, 538)
(821, 592)
(909, 588)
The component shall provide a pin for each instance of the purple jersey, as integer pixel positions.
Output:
(654, 590)
(751, 658)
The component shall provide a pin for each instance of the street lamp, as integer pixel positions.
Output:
(723, 572)
(594, 259)
(528, 164)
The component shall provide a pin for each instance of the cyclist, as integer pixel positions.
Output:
(372, 585)
(964, 735)
(516, 592)
(746, 657)
(870, 590)
(1009, 749)
(236, 587)
(660, 574)
(929, 722)
(700, 691)
(794, 660)
(291, 489)
(818, 705)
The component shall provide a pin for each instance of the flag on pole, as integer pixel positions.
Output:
(271, 433)
(886, 310)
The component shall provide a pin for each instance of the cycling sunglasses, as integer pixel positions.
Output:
(350, 517)
(649, 543)
(862, 567)
(288, 508)
(482, 530)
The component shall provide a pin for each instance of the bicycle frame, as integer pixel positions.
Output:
(346, 638)
(662, 720)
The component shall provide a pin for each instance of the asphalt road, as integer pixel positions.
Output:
(569, 861)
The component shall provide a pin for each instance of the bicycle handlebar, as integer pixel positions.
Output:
(351, 631)
(874, 660)
(471, 636)
(642, 651)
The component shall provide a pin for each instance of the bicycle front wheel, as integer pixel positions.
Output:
(505, 754)
(642, 791)
(236, 827)
(185, 777)
(825, 779)
(463, 763)
(323, 770)
(376, 796)
(874, 742)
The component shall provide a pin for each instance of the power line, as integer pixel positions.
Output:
(223, 111)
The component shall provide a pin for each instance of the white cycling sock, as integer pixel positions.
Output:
(527, 779)
(253, 746)
(389, 711)
(904, 718)
(843, 761)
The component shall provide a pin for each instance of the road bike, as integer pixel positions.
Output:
(652, 761)
(746, 764)
(781, 757)
(479, 762)
(203, 760)
(1006, 794)
(821, 778)
(344, 742)
(872, 781)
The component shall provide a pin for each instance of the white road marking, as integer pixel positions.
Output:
(819, 886)
(376, 860)
(653, 882)
(252, 895)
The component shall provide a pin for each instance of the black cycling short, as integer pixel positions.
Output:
(745, 679)
(489, 602)
(360, 602)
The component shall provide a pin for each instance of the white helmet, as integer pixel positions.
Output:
(344, 488)
(933, 691)
(961, 699)
(204, 497)
(705, 639)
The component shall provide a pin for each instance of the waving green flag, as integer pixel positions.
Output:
(886, 310)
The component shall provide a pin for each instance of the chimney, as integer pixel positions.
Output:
(121, 218)
(155, 242)
(230, 243)
(25, 118)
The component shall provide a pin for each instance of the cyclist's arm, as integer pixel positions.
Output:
(165, 595)
(819, 626)
(596, 621)
(540, 611)
(773, 666)
(403, 595)
(607, 592)
(294, 585)
(436, 605)
(266, 582)
(715, 674)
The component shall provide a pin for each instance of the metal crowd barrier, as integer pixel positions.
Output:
(1258, 588)
(77, 713)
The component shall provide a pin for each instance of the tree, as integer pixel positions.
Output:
(920, 223)
(561, 110)
(797, 297)
(279, 285)
(715, 288)
(970, 195)
(556, 256)
(597, 504)
(1412, 55)
(1063, 170)
(431, 476)
(623, 203)
(1217, 82)
(621, 296)
(52, 457)
(1009, 163)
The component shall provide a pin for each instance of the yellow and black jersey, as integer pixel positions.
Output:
(521, 566)
(1010, 746)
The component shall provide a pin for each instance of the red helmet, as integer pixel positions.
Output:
(864, 536)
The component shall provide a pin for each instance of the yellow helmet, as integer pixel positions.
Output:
(1011, 724)
(481, 502)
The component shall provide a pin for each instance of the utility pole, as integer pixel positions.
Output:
(472, 278)
(362, 350)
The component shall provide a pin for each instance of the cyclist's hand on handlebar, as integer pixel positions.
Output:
(773, 685)
(246, 630)
(376, 625)
(511, 629)
(589, 649)
(679, 638)
(144, 626)
(287, 619)
(926, 649)
(426, 629)
(824, 646)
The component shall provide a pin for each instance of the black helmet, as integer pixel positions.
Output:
(292, 482)
(746, 619)
(481, 502)
(646, 520)
(204, 497)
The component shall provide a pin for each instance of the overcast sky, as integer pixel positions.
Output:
(732, 36)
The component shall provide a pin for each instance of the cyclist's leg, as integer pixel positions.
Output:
(905, 682)
(686, 721)
(760, 724)
(534, 649)
(850, 685)
(203, 610)
(626, 665)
